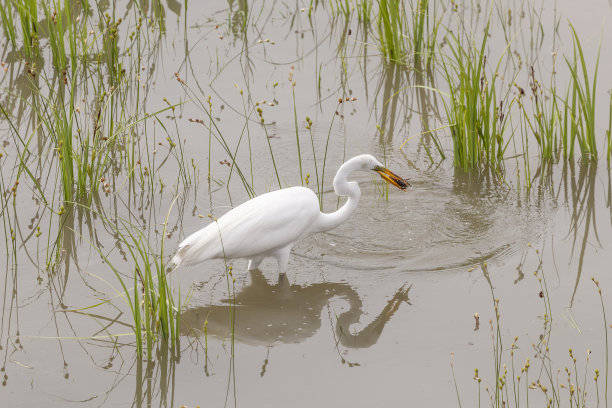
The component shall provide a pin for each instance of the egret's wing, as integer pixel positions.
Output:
(259, 226)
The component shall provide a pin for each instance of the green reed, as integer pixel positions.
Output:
(8, 23)
(425, 27)
(609, 133)
(154, 310)
(295, 121)
(214, 132)
(314, 157)
(56, 27)
(263, 125)
(477, 121)
(364, 11)
(579, 110)
(28, 17)
(544, 122)
(391, 28)
(342, 7)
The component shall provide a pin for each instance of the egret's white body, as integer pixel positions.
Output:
(270, 225)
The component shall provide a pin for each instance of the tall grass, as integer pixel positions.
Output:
(579, 110)
(8, 23)
(477, 120)
(364, 10)
(544, 122)
(391, 28)
(86, 114)
(28, 17)
(425, 27)
(154, 310)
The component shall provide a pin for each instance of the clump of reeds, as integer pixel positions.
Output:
(28, 17)
(477, 120)
(364, 10)
(425, 26)
(150, 299)
(579, 110)
(544, 121)
(391, 28)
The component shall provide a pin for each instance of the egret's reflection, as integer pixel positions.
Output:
(283, 313)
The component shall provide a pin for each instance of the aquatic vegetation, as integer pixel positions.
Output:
(579, 110)
(113, 112)
(477, 120)
(541, 379)
(364, 10)
(544, 122)
(425, 27)
(28, 17)
(150, 299)
(609, 133)
(391, 28)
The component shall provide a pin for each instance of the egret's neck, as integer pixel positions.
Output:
(342, 187)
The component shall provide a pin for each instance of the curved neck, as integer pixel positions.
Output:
(370, 334)
(342, 187)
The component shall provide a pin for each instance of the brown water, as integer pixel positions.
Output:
(372, 313)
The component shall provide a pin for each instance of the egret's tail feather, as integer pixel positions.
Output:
(180, 255)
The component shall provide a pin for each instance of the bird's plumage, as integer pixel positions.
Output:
(255, 228)
(272, 223)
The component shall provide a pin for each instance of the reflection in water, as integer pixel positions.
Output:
(156, 378)
(427, 108)
(283, 313)
(580, 200)
(392, 83)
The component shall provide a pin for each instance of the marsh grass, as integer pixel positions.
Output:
(539, 380)
(87, 119)
(425, 27)
(392, 23)
(609, 133)
(579, 110)
(28, 17)
(8, 23)
(342, 8)
(477, 120)
(364, 11)
(154, 311)
(544, 121)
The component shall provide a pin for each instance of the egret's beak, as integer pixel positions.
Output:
(392, 178)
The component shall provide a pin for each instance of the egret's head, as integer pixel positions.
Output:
(373, 165)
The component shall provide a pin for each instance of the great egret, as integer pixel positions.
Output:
(270, 225)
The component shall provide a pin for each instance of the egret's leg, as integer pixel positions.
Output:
(283, 286)
(282, 257)
(254, 263)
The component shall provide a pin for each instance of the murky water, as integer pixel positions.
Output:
(378, 312)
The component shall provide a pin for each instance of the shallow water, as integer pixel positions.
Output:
(379, 311)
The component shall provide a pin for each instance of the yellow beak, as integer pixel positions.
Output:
(393, 178)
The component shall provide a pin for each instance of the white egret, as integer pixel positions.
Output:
(270, 225)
